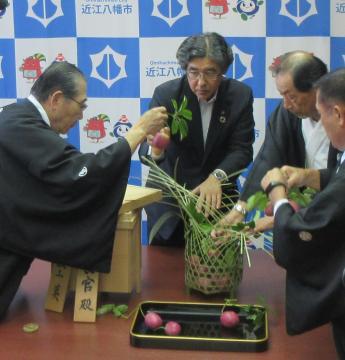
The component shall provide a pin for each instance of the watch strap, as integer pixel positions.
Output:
(239, 208)
(272, 185)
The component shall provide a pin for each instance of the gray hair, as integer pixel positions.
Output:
(304, 68)
(331, 87)
(61, 76)
(208, 45)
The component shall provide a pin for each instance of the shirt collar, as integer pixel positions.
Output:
(40, 108)
(211, 101)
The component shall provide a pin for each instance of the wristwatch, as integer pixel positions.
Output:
(219, 174)
(272, 185)
(238, 207)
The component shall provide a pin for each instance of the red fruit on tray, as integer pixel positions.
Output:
(229, 319)
(153, 320)
(295, 206)
(161, 140)
(172, 328)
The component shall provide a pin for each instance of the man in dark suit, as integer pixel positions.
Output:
(56, 203)
(220, 134)
(294, 135)
(310, 244)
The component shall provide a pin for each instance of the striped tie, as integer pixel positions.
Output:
(339, 156)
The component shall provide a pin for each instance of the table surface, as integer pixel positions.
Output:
(162, 280)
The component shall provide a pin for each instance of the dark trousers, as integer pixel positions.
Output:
(339, 336)
(13, 268)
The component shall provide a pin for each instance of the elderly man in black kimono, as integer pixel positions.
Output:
(310, 243)
(294, 135)
(56, 203)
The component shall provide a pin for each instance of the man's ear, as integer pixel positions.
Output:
(55, 98)
(339, 111)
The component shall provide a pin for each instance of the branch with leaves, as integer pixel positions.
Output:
(179, 118)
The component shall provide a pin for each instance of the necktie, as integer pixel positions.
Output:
(339, 156)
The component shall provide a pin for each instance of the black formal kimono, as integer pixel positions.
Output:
(283, 145)
(228, 144)
(56, 203)
(310, 245)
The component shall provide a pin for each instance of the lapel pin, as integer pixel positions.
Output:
(305, 235)
(222, 118)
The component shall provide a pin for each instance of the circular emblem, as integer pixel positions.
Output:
(83, 171)
(305, 235)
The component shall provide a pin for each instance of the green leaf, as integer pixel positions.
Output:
(159, 224)
(174, 127)
(120, 310)
(104, 309)
(174, 103)
(183, 128)
(179, 117)
(206, 228)
(239, 226)
(187, 114)
(258, 201)
(257, 215)
(30, 327)
(183, 104)
(251, 224)
(198, 216)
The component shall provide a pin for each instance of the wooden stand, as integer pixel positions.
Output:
(125, 275)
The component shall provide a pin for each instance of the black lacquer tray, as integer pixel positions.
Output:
(201, 328)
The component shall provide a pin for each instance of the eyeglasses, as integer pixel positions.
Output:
(207, 74)
(82, 104)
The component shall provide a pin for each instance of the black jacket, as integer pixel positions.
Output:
(283, 145)
(229, 140)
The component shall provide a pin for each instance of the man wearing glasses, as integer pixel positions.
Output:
(220, 134)
(56, 203)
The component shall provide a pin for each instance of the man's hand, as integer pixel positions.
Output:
(264, 224)
(273, 175)
(231, 218)
(210, 195)
(301, 177)
(149, 123)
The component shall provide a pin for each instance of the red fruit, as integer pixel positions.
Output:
(172, 328)
(229, 319)
(153, 320)
(213, 252)
(269, 210)
(161, 140)
(194, 260)
(295, 206)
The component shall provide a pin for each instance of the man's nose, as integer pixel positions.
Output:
(201, 79)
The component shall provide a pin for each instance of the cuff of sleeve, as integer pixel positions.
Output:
(278, 204)
(155, 157)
